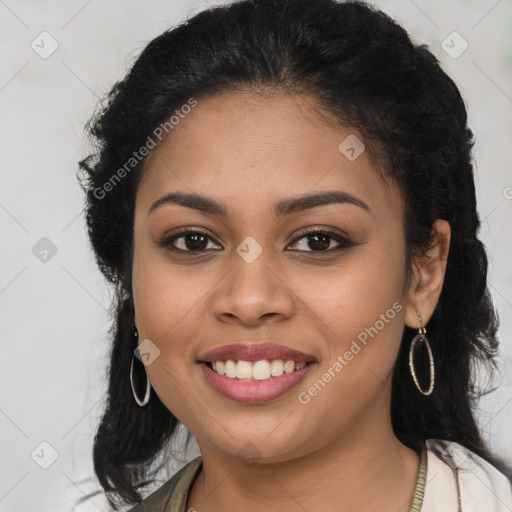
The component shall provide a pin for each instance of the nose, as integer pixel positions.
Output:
(252, 293)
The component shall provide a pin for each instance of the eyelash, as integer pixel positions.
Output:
(344, 242)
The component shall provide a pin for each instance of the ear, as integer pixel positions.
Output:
(428, 271)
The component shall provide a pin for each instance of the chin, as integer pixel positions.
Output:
(253, 448)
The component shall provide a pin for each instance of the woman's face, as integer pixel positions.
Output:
(252, 276)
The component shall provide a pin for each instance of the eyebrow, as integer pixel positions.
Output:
(281, 208)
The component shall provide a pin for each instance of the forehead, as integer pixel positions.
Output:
(247, 150)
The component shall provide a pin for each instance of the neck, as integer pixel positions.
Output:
(365, 470)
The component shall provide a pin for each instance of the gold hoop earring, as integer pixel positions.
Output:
(419, 339)
(147, 394)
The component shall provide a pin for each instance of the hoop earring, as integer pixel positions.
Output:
(421, 338)
(145, 400)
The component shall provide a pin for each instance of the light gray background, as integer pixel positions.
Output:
(54, 318)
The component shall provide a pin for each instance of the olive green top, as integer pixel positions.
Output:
(172, 495)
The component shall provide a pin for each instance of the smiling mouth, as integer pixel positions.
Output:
(261, 370)
(258, 386)
(252, 372)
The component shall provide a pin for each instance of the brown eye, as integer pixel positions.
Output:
(198, 241)
(320, 241)
(187, 241)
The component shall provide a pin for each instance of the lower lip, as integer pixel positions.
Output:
(254, 390)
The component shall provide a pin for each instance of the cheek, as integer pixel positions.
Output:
(170, 307)
(360, 309)
(359, 305)
(169, 299)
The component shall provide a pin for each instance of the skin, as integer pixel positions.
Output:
(248, 152)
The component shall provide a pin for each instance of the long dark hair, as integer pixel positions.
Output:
(366, 73)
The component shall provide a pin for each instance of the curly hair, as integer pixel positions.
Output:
(366, 73)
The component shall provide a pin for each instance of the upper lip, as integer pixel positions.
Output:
(250, 351)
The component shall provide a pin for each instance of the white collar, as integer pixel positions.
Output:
(458, 480)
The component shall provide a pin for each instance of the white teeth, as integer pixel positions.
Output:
(261, 370)
(230, 368)
(243, 370)
(276, 367)
(289, 366)
(258, 370)
(219, 367)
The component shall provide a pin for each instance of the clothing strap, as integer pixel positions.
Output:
(419, 491)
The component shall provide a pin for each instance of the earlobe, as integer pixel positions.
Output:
(428, 276)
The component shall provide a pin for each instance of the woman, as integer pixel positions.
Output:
(283, 198)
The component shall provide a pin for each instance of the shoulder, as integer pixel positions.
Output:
(171, 496)
(459, 479)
